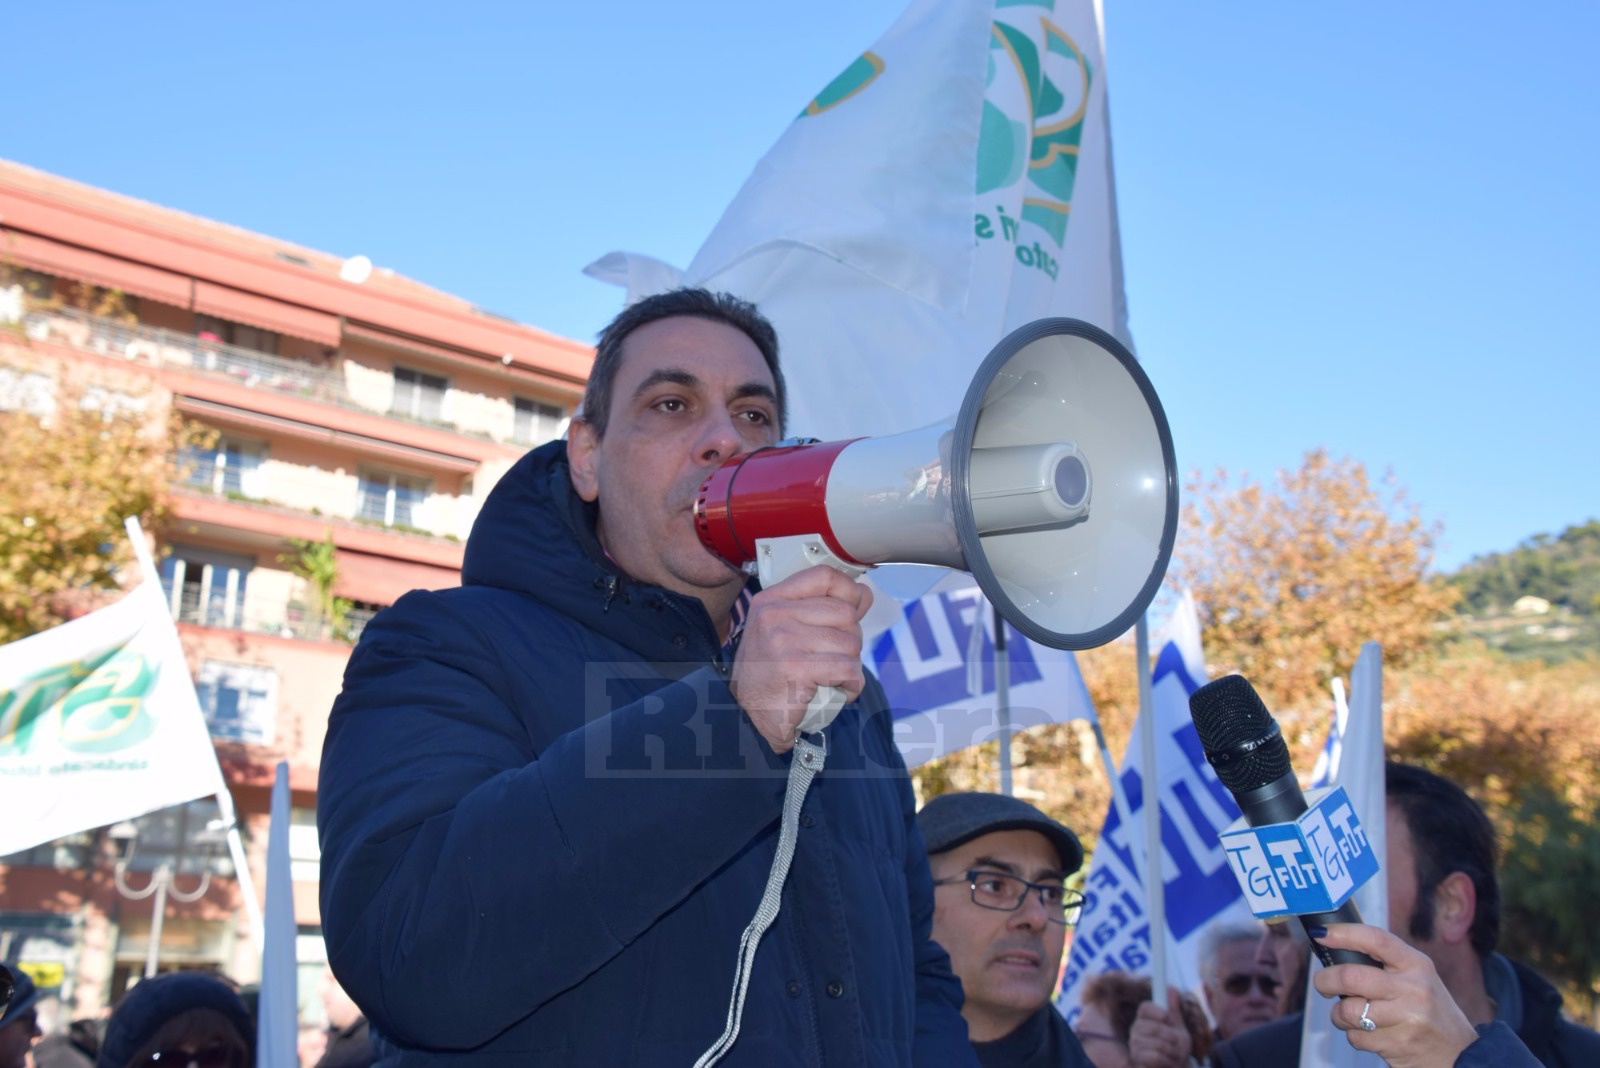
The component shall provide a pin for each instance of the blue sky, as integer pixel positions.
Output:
(1367, 226)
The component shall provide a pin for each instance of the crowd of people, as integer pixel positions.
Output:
(556, 802)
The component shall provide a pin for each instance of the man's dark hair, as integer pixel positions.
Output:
(1449, 833)
(697, 303)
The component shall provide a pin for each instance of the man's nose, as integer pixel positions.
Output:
(1030, 914)
(719, 438)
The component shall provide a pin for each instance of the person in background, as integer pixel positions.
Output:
(180, 1018)
(349, 1043)
(1284, 946)
(1445, 996)
(76, 1047)
(1001, 910)
(20, 1024)
(1109, 1024)
(1241, 989)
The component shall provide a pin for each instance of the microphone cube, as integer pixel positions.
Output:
(1311, 865)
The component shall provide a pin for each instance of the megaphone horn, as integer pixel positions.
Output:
(1055, 485)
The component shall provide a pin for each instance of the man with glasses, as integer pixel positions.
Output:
(1001, 910)
(1241, 983)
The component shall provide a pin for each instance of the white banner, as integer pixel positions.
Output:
(1114, 932)
(99, 723)
(937, 666)
(1354, 760)
(952, 184)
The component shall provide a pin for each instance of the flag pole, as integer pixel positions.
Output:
(241, 864)
(1002, 698)
(1155, 896)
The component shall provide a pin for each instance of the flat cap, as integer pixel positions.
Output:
(951, 819)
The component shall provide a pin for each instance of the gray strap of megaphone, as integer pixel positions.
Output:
(808, 760)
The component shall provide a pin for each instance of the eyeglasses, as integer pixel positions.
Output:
(1006, 893)
(1239, 985)
(219, 1055)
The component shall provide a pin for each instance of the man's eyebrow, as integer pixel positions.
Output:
(677, 376)
(756, 389)
(996, 864)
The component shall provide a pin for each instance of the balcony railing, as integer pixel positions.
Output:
(160, 347)
(286, 619)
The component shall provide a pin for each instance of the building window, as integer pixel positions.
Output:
(535, 422)
(67, 853)
(390, 499)
(27, 391)
(305, 851)
(229, 467)
(418, 394)
(210, 328)
(206, 587)
(189, 837)
(357, 617)
(240, 700)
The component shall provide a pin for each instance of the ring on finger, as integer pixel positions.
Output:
(1367, 1022)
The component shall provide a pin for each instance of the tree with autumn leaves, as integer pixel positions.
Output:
(74, 469)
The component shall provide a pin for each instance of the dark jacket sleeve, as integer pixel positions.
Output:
(1497, 1046)
(461, 854)
(941, 1035)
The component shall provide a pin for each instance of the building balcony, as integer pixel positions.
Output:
(342, 383)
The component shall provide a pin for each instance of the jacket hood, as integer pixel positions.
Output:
(536, 536)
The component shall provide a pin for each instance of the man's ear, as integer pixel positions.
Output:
(1455, 905)
(583, 458)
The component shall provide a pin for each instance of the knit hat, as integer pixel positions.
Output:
(149, 1005)
(23, 996)
(951, 819)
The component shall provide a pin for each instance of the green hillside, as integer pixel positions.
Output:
(1541, 599)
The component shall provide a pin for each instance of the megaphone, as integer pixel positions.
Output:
(1055, 485)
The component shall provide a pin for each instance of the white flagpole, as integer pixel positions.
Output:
(1002, 698)
(241, 865)
(1155, 897)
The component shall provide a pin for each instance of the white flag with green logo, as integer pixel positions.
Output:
(98, 723)
(951, 184)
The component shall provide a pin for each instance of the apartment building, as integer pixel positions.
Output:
(344, 404)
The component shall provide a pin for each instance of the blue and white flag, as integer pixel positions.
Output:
(953, 183)
(1114, 933)
(937, 666)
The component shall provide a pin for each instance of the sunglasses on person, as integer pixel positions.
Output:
(219, 1055)
(8, 986)
(1239, 985)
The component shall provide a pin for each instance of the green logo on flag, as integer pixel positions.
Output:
(98, 704)
(1047, 138)
(856, 77)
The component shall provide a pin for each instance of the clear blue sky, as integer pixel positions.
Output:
(1368, 226)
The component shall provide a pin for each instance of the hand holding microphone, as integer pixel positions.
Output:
(1243, 743)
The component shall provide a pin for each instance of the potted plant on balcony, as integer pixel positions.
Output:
(317, 562)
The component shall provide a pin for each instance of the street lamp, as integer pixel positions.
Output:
(162, 884)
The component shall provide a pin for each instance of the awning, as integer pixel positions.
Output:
(382, 579)
(242, 307)
(96, 268)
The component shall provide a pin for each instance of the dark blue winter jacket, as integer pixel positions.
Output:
(545, 824)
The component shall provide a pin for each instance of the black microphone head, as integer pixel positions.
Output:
(1240, 737)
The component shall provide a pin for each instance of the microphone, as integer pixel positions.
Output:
(1243, 743)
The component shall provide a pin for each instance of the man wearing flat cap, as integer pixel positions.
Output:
(1001, 910)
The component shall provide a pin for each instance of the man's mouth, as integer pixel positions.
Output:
(1019, 958)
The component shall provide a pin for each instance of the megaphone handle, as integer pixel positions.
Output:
(776, 560)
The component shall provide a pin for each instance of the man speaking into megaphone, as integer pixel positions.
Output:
(550, 799)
